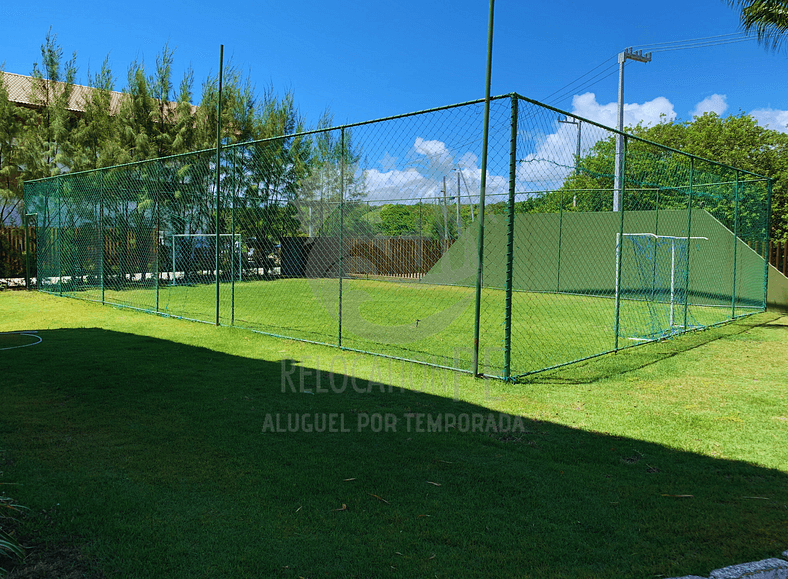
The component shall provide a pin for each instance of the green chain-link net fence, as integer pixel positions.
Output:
(367, 237)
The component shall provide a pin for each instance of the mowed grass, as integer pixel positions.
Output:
(153, 444)
(428, 323)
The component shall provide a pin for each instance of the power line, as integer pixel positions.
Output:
(703, 39)
(702, 45)
(579, 78)
(608, 72)
(576, 86)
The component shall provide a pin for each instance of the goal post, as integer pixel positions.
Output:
(194, 253)
(657, 275)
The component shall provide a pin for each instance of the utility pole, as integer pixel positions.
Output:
(628, 54)
(459, 222)
(579, 124)
(445, 216)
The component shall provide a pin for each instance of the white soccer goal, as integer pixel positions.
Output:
(657, 275)
(194, 253)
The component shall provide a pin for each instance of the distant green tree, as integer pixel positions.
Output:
(396, 220)
(655, 175)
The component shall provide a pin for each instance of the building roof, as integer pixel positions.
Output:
(20, 92)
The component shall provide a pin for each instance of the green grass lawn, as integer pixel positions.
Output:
(428, 323)
(153, 444)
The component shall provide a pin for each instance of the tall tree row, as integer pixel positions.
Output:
(69, 128)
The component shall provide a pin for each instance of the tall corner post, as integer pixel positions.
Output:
(482, 191)
(507, 351)
(218, 174)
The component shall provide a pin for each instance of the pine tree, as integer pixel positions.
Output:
(12, 120)
(45, 143)
(96, 140)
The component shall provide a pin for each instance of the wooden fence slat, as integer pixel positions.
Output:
(12, 251)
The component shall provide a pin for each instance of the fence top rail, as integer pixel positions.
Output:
(512, 95)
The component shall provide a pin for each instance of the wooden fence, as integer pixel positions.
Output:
(395, 257)
(12, 252)
(379, 257)
(778, 255)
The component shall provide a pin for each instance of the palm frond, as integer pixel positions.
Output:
(767, 19)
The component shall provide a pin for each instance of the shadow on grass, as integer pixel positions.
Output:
(178, 461)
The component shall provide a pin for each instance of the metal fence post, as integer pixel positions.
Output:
(735, 244)
(218, 174)
(507, 352)
(59, 193)
(767, 242)
(156, 242)
(482, 191)
(341, 230)
(689, 234)
(232, 241)
(620, 238)
(26, 223)
(560, 240)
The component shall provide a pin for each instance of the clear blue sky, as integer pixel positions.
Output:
(365, 60)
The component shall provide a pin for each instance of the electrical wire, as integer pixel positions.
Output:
(574, 88)
(578, 78)
(696, 42)
(596, 79)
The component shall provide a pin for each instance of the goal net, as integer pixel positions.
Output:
(194, 258)
(652, 285)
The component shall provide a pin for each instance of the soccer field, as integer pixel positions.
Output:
(416, 321)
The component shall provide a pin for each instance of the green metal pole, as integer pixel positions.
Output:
(485, 140)
(341, 231)
(620, 239)
(59, 236)
(156, 242)
(689, 233)
(656, 243)
(735, 243)
(101, 236)
(560, 240)
(27, 252)
(218, 173)
(766, 240)
(232, 246)
(507, 351)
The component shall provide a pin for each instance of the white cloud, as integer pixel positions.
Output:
(426, 165)
(715, 103)
(399, 185)
(776, 120)
(650, 112)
